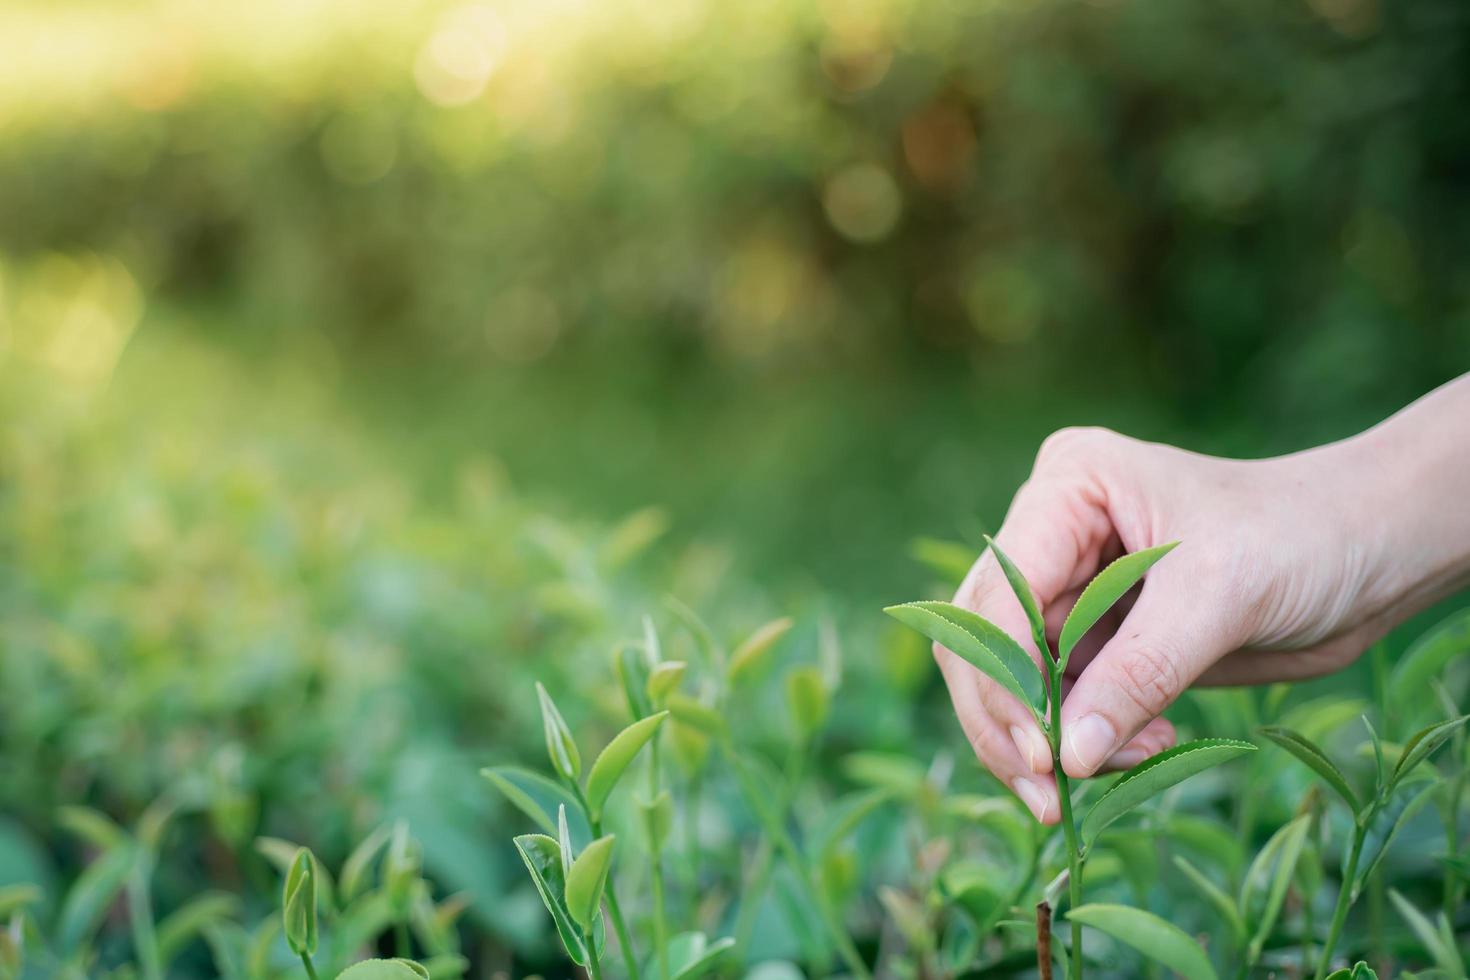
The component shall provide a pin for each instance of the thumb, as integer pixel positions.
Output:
(1178, 628)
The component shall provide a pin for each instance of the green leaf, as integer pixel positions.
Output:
(530, 792)
(1102, 592)
(950, 560)
(1276, 862)
(751, 655)
(1315, 759)
(355, 868)
(1024, 595)
(1422, 745)
(663, 680)
(587, 879)
(630, 663)
(843, 817)
(190, 920)
(384, 970)
(704, 639)
(560, 745)
(690, 955)
(1384, 827)
(1155, 938)
(1152, 776)
(614, 760)
(92, 895)
(298, 904)
(1437, 940)
(1426, 659)
(543, 859)
(92, 826)
(700, 717)
(807, 700)
(980, 643)
(1216, 896)
(1360, 971)
(13, 897)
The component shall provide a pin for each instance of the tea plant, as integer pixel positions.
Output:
(1039, 687)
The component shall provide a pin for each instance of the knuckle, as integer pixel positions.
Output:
(1074, 442)
(1149, 677)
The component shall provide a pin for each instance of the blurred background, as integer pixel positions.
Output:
(361, 361)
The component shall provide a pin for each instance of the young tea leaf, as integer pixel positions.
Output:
(748, 658)
(384, 970)
(1102, 592)
(1216, 896)
(981, 644)
(355, 868)
(298, 904)
(92, 895)
(1155, 938)
(587, 879)
(631, 666)
(663, 680)
(543, 859)
(1316, 760)
(1277, 862)
(614, 760)
(696, 715)
(1152, 776)
(1440, 946)
(1422, 745)
(807, 700)
(1023, 593)
(530, 792)
(691, 955)
(560, 745)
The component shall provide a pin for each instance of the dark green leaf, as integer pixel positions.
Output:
(92, 895)
(532, 793)
(1152, 776)
(1316, 760)
(1024, 595)
(1102, 592)
(1385, 826)
(1422, 745)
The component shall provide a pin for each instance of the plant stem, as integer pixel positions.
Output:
(1344, 901)
(660, 926)
(402, 947)
(625, 942)
(306, 962)
(594, 968)
(1074, 861)
(783, 843)
(1452, 841)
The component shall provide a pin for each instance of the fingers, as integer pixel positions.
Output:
(994, 745)
(1178, 628)
(1053, 528)
(1156, 736)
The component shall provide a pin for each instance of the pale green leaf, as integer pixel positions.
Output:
(560, 746)
(664, 678)
(1155, 938)
(1106, 588)
(1273, 868)
(702, 718)
(384, 970)
(691, 955)
(1440, 946)
(1152, 776)
(751, 655)
(807, 700)
(615, 758)
(587, 879)
(298, 904)
(1315, 759)
(359, 862)
(92, 895)
(980, 643)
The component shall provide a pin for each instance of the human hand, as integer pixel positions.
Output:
(1288, 568)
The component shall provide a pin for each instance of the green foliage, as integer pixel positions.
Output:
(1105, 589)
(1154, 775)
(981, 644)
(1155, 938)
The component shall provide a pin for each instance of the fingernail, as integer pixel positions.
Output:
(1091, 739)
(1032, 749)
(1035, 798)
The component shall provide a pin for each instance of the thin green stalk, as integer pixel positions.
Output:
(594, 968)
(787, 848)
(625, 942)
(660, 925)
(310, 970)
(1344, 901)
(402, 945)
(1069, 828)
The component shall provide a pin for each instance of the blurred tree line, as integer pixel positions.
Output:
(817, 273)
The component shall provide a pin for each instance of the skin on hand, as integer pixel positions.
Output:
(1288, 569)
